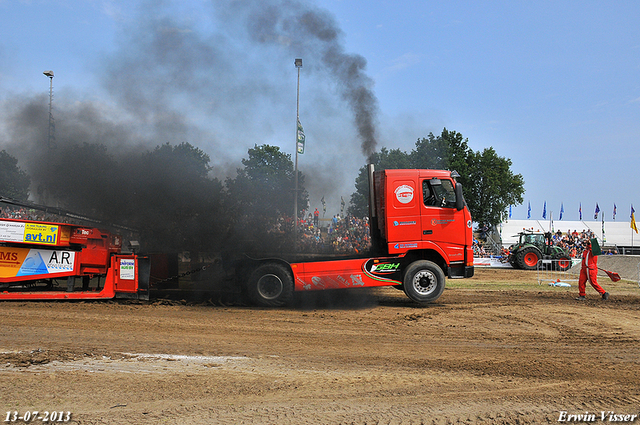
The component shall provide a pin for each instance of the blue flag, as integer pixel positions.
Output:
(580, 210)
(509, 211)
(529, 211)
(544, 210)
(615, 209)
(595, 215)
(561, 210)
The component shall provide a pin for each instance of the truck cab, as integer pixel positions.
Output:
(422, 213)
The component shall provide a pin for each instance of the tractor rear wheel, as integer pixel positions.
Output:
(528, 258)
(562, 263)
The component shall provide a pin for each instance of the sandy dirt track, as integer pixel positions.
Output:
(482, 354)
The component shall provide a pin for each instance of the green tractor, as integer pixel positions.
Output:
(533, 247)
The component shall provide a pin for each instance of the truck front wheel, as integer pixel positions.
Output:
(423, 281)
(270, 285)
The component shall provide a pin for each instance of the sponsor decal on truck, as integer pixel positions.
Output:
(16, 262)
(127, 268)
(39, 233)
(404, 194)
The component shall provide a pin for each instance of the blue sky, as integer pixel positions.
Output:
(552, 85)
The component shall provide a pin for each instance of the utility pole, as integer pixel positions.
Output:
(298, 64)
(51, 137)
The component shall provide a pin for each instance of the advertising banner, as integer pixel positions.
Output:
(39, 233)
(16, 262)
(127, 268)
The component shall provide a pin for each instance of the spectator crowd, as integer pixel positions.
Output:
(575, 242)
(22, 214)
(343, 235)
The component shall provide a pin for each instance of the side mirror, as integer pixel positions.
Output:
(459, 197)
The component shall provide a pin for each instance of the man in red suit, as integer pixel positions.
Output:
(589, 272)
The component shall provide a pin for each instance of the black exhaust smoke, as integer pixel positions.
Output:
(138, 158)
(313, 33)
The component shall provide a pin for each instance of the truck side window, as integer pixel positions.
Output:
(439, 195)
(428, 195)
(448, 194)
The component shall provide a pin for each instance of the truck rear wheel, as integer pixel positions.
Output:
(423, 282)
(270, 285)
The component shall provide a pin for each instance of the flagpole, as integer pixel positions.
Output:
(298, 64)
(632, 224)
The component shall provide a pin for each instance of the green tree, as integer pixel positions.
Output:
(165, 193)
(430, 153)
(491, 187)
(261, 194)
(489, 184)
(458, 153)
(14, 182)
(173, 199)
(385, 159)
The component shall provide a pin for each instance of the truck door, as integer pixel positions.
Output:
(441, 222)
(402, 213)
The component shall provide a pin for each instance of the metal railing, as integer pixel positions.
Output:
(628, 267)
(555, 273)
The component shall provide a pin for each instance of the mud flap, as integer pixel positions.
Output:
(460, 271)
(144, 273)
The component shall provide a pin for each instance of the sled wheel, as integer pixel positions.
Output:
(270, 285)
(423, 281)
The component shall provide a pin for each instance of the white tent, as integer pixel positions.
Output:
(616, 233)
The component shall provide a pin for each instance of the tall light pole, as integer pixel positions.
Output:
(298, 64)
(51, 136)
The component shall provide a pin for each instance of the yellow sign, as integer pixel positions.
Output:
(41, 233)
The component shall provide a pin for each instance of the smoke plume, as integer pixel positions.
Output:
(312, 32)
(222, 83)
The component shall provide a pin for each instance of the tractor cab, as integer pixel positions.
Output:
(537, 239)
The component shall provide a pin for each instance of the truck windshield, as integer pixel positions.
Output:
(439, 194)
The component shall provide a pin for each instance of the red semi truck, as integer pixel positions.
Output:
(421, 231)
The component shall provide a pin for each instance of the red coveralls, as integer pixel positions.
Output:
(589, 272)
